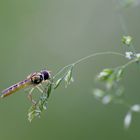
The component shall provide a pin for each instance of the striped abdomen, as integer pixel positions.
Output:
(16, 87)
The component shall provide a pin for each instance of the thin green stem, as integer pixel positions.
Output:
(85, 58)
(61, 70)
(123, 23)
(97, 54)
(129, 63)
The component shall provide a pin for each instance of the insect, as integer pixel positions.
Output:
(34, 80)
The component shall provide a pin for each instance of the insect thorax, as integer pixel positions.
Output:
(37, 79)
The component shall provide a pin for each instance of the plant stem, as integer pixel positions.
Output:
(129, 63)
(61, 70)
(85, 58)
(97, 54)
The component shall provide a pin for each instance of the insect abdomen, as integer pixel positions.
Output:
(15, 88)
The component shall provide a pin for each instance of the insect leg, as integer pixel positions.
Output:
(39, 89)
(30, 97)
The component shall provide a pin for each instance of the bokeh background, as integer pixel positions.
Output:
(38, 34)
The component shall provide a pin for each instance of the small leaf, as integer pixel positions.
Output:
(119, 74)
(68, 78)
(135, 108)
(57, 83)
(49, 90)
(98, 93)
(107, 99)
(31, 115)
(128, 119)
(105, 74)
(129, 55)
(127, 40)
(37, 111)
(137, 57)
(42, 103)
(45, 106)
(72, 79)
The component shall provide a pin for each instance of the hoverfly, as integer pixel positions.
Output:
(34, 80)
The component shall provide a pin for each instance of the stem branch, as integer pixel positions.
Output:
(85, 58)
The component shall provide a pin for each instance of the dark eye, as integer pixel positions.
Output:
(46, 75)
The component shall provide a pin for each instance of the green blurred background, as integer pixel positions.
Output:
(38, 34)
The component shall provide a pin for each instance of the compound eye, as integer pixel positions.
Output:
(45, 74)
